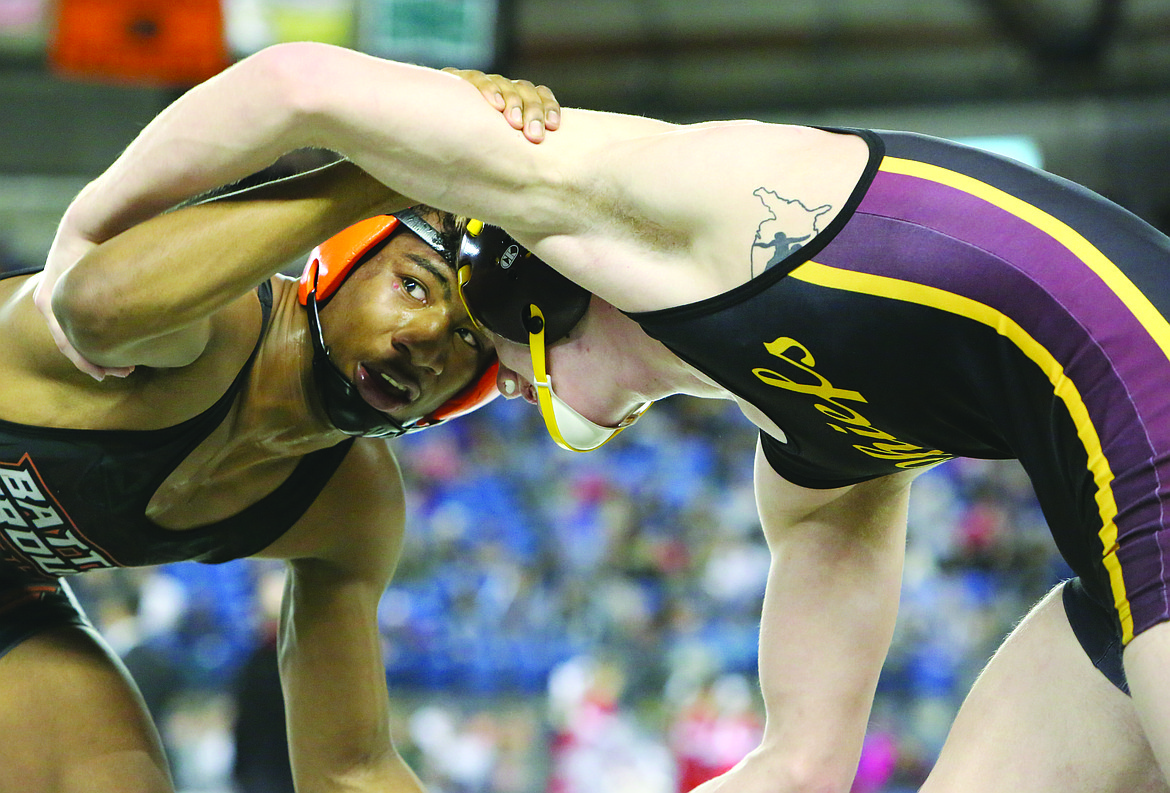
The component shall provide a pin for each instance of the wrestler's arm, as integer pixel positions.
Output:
(408, 126)
(341, 555)
(670, 206)
(828, 618)
(293, 96)
(122, 196)
(151, 295)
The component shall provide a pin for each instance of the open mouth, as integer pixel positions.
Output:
(384, 390)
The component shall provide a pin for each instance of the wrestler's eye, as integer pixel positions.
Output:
(469, 337)
(414, 288)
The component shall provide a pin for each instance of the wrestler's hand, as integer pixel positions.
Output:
(67, 249)
(529, 108)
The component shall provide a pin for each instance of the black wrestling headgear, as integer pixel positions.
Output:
(514, 294)
(500, 279)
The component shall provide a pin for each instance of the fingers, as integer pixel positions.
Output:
(484, 83)
(98, 373)
(552, 108)
(530, 108)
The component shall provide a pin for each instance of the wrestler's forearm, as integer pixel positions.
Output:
(334, 680)
(423, 132)
(829, 611)
(219, 132)
(224, 130)
(124, 302)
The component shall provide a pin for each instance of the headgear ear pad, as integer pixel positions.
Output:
(500, 279)
(335, 258)
(331, 262)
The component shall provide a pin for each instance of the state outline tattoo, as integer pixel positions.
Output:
(794, 225)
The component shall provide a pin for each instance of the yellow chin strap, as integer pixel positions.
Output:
(579, 433)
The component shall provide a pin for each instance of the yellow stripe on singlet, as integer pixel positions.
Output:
(1117, 281)
(1140, 305)
(1063, 387)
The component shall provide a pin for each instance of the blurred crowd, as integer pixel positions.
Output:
(569, 623)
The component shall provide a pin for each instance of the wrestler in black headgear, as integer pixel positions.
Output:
(500, 281)
(516, 295)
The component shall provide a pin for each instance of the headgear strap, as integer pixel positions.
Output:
(512, 293)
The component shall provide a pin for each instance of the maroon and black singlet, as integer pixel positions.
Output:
(963, 304)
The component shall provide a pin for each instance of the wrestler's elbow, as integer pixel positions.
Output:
(105, 341)
(86, 317)
(292, 79)
(106, 332)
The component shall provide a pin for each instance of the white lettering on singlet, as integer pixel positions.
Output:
(33, 525)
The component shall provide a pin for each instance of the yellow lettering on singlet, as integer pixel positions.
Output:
(807, 380)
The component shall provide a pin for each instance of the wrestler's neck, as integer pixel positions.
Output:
(280, 409)
(638, 364)
(272, 424)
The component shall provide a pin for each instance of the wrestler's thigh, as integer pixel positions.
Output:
(1041, 718)
(72, 721)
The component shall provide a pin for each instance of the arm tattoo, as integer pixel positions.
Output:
(788, 227)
